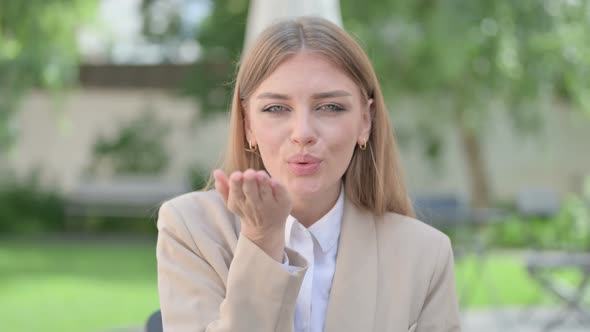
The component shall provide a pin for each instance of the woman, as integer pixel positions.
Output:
(310, 227)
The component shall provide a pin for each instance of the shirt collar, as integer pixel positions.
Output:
(326, 230)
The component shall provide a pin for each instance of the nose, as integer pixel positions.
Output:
(303, 132)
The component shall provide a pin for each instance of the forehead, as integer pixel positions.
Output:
(307, 73)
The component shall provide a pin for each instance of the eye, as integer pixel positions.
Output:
(274, 109)
(332, 107)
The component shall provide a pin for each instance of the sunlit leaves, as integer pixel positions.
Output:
(37, 48)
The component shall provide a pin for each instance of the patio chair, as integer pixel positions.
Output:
(446, 210)
(154, 322)
(537, 202)
(449, 212)
(539, 262)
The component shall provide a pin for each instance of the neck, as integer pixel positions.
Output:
(308, 209)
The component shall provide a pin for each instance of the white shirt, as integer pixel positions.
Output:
(319, 245)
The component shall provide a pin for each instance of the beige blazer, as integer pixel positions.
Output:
(393, 273)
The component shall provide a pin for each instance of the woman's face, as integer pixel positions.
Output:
(306, 119)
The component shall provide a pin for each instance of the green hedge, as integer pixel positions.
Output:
(26, 207)
(568, 230)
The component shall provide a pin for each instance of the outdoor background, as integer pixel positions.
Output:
(109, 107)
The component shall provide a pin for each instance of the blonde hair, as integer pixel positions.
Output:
(374, 179)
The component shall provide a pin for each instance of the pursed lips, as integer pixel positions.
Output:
(303, 164)
(302, 158)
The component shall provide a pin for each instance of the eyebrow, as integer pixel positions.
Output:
(320, 95)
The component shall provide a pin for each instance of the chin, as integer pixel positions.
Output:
(304, 186)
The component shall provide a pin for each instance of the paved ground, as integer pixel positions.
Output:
(520, 320)
(491, 320)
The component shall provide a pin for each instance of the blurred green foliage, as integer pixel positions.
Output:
(137, 148)
(221, 37)
(28, 207)
(462, 59)
(462, 53)
(37, 49)
(569, 230)
(458, 59)
(474, 50)
(98, 225)
(198, 177)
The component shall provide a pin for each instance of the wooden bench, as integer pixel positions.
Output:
(124, 197)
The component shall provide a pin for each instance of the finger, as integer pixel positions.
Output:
(236, 195)
(279, 191)
(221, 184)
(264, 187)
(250, 186)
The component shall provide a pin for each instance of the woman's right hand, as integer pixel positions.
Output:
(263, 205)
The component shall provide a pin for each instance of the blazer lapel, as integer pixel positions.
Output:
(353, 296)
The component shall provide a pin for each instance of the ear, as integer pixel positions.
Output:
(247, 127)
(367, 119)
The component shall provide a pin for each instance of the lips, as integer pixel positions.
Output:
(303, 164)
(302, 158)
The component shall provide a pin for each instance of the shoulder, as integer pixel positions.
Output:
(409, 226)
(195, 202)
(199, 212)
(420, 259)
(411, 234)
(413, 251)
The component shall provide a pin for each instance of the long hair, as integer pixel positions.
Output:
(374, 179)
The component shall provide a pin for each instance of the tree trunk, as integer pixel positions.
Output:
(474, 160)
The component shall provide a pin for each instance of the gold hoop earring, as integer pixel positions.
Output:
(252, 148)
(363, 146)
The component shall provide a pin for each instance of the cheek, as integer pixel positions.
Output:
(344, 131)
(341, 142)
(343, 147)
(269, 144)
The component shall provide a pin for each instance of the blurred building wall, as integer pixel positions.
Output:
(555, 157)
(61, 141)
(59, 138)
